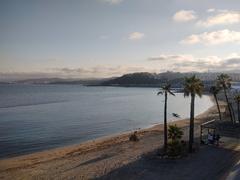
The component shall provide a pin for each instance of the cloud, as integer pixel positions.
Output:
(157, 64)
(232, 62)
(112, 1)
(184, 16)
(101, 71)
(186, 62)
(224, 17)
(213, 38)
(175, 57)
(136, 36)
(211, 10)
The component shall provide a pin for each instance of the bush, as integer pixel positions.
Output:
(175, 145)
(175, 148)
(174, 133)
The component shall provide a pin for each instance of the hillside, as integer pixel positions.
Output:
(145, 79)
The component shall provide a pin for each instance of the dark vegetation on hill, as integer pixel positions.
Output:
(145, 79)
(142, 80)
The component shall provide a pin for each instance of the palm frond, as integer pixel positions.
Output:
(237, 98)
(170, 92)
(166, 89)
(214, 90)
(224, 81)
(193, 85)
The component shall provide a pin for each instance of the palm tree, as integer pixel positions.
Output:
(237, 99)
(233, 114)
(215, 90)
(192, 86)
(224, 82)
(166, 89)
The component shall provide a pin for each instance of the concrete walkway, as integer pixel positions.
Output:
(209, 163)
(234, 172)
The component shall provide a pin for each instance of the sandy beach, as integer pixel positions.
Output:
(94, 158)
(119, 90)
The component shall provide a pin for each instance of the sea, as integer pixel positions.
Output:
(39, 117)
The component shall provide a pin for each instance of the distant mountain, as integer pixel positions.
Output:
(141, 79)
(135, 79)
(5, 83)
(62, 81)
(145, 79)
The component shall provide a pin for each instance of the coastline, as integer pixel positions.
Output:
(122, 135)
(39, 164)
(39, 140)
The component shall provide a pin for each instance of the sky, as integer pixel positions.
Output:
(105, 38)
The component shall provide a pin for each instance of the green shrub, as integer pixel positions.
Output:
(175, 145)
(175, 148)
(174, 133)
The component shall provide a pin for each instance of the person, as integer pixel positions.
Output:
(214, 138)
(210, 138)
(217, 139)
(134, 137)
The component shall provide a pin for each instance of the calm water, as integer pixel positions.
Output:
(38, 117)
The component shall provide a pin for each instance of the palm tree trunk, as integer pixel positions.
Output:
(238, 106)
(233, 113)
(219, 112)
(191, 129)
(165, 124)
(229, 108)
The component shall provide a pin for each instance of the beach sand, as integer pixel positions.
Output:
(94, 158)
